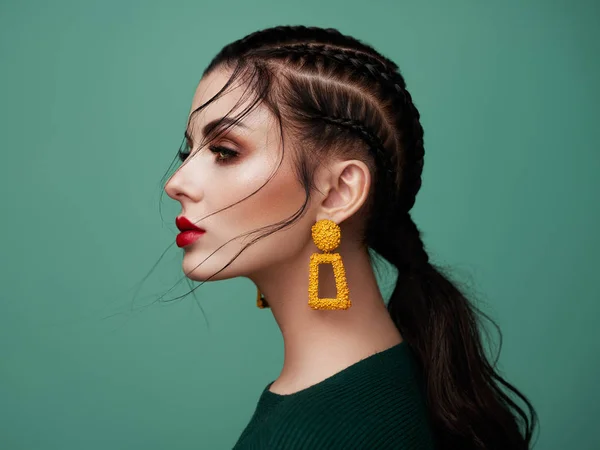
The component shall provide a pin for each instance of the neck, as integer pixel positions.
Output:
(320, 343)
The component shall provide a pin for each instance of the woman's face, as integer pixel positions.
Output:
(213, 178)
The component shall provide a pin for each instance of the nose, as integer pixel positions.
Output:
(173, 186)
(188, 182)
(180, 187)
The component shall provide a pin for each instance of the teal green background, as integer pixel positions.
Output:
(94, 98)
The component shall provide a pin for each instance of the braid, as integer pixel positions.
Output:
(394, 87)
(364, 133)
(416, 256)
(285, 35)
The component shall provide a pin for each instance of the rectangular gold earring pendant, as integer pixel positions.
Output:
(342, 300)
(260, 303)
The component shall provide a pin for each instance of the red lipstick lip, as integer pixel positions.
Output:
(189, 232)
(185, 225)
(188, 237)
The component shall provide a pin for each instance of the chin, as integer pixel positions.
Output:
(206, 270)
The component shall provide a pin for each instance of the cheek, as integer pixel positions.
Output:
(275, 203)
(277, 200)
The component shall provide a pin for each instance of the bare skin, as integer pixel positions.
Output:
(317, 344)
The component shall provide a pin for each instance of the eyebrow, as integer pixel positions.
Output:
(216, 124)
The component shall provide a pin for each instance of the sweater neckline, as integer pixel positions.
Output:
(377, 358)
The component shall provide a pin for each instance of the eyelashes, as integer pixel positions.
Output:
(224, 154)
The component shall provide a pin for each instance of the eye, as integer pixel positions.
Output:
(225, 153)
(183, 154)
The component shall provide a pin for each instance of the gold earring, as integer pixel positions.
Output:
(261, 302)
(327, 235)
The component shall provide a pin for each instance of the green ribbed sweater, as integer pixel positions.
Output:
(376, 403)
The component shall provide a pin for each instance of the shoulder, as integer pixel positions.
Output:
(336, 432)
(364, 418)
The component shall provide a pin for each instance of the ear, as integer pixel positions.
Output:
(345, 187)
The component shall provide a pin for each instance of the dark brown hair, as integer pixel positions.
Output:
(340, 97)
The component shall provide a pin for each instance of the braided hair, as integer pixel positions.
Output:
(338, 95)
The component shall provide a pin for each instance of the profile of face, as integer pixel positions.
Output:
(226, 171)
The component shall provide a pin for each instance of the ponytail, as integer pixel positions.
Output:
(467, 405)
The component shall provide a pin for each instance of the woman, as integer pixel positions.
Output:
(315, 157)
